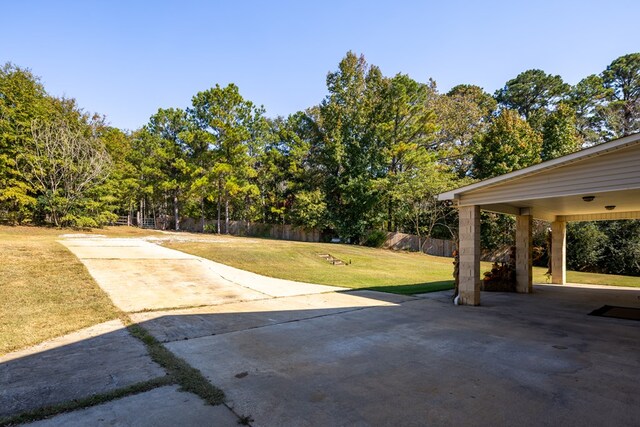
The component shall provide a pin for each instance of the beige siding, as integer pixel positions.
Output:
(618, 170)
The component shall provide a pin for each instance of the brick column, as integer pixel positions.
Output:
(524, 253)
(469, 249)
(559, 252)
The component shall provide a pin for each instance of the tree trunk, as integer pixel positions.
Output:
(202, 211)
(226, 215)
(175, 210)
(140, 214)
(219, 205)
(418, 232)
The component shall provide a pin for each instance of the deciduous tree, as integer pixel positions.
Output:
(509, 144)
(559, 134)
(63, 163)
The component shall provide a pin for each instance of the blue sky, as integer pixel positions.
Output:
(125, 59)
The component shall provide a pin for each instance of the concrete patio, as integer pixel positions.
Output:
(517, 360)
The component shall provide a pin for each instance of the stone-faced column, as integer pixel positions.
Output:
(469, 249)
(524, 253)
(559, 252)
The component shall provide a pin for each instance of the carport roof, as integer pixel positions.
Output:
(554, 190)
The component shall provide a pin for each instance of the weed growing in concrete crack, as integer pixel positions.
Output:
(188, 378)
(96, 399)
(245, 420)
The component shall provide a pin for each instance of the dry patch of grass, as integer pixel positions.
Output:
(46, 291)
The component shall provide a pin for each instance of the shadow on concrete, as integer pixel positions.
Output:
(526, 359)
(415, 288)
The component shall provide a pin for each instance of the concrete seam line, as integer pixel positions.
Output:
(349, 310)
(346, 310)
(201, 260)
(187, 377)
(93, 400)
(178, 372)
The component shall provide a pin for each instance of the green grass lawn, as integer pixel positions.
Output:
(379, 269)
(590, 278)
(385, 270)
(45, 291)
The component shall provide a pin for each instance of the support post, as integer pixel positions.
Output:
(559, 252)
(469, 250)
(524, 253)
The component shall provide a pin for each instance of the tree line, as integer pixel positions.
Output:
(371, 156)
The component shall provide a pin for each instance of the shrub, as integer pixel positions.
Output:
(584, 246)
(375, 238)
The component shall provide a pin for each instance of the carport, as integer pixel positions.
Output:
(598, 183)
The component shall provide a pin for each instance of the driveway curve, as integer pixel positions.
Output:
(142, 276)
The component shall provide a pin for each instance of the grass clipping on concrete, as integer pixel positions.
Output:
(46, 291)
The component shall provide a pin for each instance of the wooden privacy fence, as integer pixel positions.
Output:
(254, 229)
(397, 241)
(411, 242)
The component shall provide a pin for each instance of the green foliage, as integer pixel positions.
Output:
(416, 188)
(52, 156)
(532, 91)
(622, 79)
(232, 130)
(611, 247)
(375, 238)
(309, 209)
(63, 163)
(350, 150)
(497, 231)
(559, 134)
(210, 228)
(409, 129)
(509, 144)
(584, 248)
(588, 99)
(621, 247)
(462, 114)
(607, 105)
(22, 99)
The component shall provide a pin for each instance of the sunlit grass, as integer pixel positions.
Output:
(45, 290)
(391, 271)
(381, 269)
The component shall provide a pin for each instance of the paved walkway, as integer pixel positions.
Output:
(139, 275)
(287, 353)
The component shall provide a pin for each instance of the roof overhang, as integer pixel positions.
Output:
(554, 190)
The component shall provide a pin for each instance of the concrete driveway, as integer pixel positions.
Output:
(287, 353)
